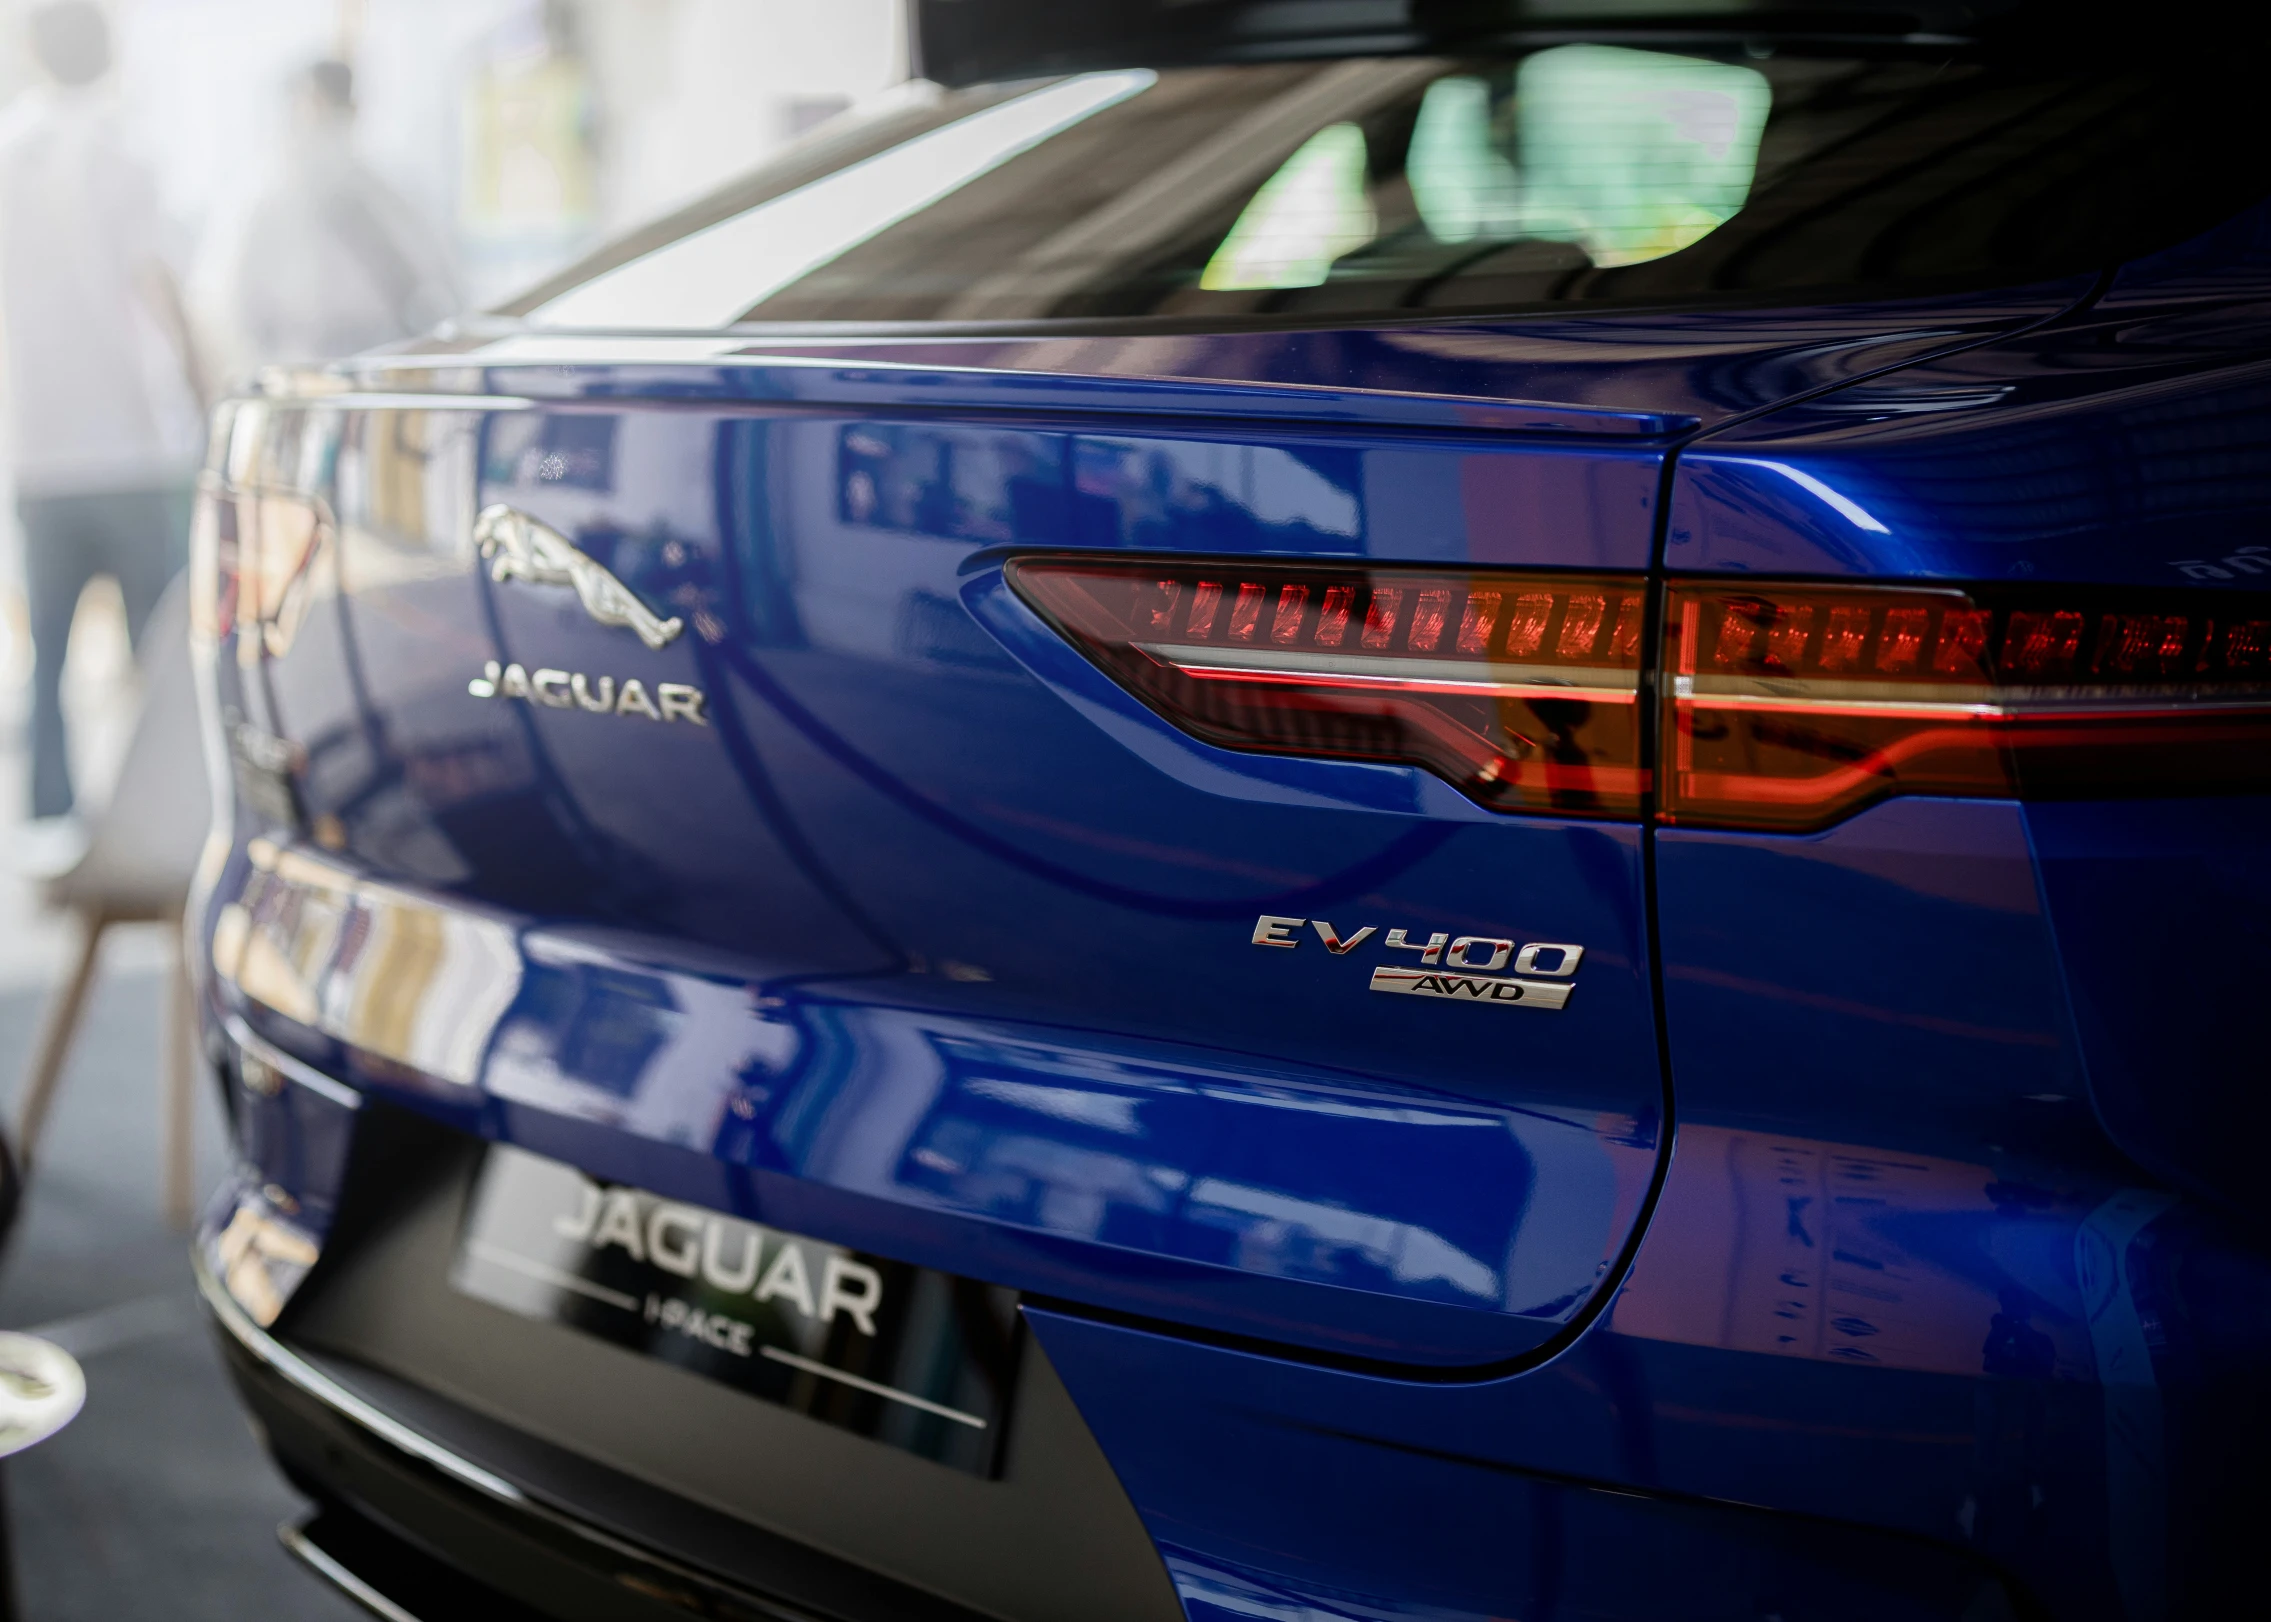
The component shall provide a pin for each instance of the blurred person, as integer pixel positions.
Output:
(104, 396)
(329, 259)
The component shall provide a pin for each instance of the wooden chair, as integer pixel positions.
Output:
(141, 853)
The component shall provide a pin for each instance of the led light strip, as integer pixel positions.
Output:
(2095, 706)
(1522, 689)
(1796, 704)
(1395, 675)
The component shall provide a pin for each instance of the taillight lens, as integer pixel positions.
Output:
(1521, 689)
(1792, 705)
(1785, 705)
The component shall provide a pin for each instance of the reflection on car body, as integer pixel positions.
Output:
(1175, 591)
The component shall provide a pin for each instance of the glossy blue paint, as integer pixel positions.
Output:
(2160, 910)
(293, 1132)
(1963, 1317)
(1403, 1512)
(2091, 1496)
(2040, 1160)
(1616, 374)
(1899, 962)
(730, 949)
(1592, 508)
(933, 941)
(2123, 444)
(1291, 1203)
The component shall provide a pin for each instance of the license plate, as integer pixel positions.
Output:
(913, 1358)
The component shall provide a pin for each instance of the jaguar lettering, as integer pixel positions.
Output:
(725, 1255)
(601, 695)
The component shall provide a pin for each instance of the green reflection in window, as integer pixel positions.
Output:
(1633, 154)
(1313, 210)
(1629, 154)
(1463, 186)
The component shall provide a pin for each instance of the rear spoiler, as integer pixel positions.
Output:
(963, 42)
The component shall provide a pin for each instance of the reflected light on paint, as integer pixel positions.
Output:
(708, 279)
(1850, 510)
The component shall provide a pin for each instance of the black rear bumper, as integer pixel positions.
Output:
(427, 1508)
(394, 1580)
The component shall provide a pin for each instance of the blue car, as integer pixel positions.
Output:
(1291, 813)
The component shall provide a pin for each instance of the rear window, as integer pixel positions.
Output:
(1572, 174)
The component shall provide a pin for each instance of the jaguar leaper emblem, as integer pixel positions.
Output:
(520, 548)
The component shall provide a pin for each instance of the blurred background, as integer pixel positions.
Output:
(516, 133)
(480, 145)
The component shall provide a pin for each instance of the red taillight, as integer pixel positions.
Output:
(1791, 705)
(1785, 704)
(1521, 689)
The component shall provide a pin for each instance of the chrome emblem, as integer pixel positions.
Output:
(1462, 970)
(520, 548)
(601, 695)
(1494, 989)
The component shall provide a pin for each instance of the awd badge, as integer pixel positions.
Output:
(1489, 988)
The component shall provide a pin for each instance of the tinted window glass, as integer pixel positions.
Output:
(1574, 173)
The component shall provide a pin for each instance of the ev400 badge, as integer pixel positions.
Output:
(1461, 970)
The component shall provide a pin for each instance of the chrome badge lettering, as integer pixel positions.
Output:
(1483, 988)
(604, 695)
(1458, 970)
(520, 548)
(691, 1242)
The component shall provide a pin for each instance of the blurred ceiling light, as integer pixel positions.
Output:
(1313, 210)
(710, 278)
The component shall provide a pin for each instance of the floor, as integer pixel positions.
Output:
(156, 1501)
